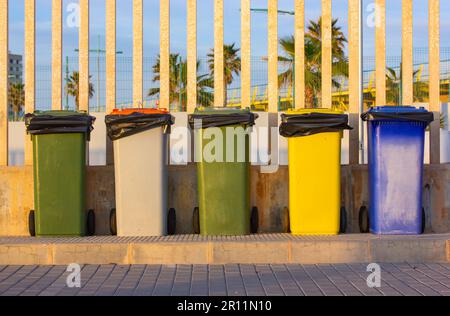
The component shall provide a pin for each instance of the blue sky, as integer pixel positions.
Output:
(205, 27)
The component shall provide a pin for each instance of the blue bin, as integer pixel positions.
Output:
(396, 137)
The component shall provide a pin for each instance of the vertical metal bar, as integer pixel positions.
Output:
(191, 55)
(407, 52)
(300, 54)
(380, 51)
(137, 53)
(110, 69)
(110, 55)
(84, 56)
(355, 86)
(434, 69)
(219, 83)
(165, 53)
(4, 83)
(326, 53)
(245, 54)
(56, 54)
(273, 55)
(30, 69)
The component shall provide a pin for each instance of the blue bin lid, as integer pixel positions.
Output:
(398, 113)
(397, 109)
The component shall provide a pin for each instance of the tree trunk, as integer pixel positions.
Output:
(309, 98)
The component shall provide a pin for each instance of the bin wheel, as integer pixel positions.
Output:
(286, 221)
(254, 220)
(113, 222)
(196, 220)
(31, 224)
(171, 221)
(343, 221)
(424, 220)
(364, 220)
(91, 223)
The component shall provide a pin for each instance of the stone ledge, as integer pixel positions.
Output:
(190, 249)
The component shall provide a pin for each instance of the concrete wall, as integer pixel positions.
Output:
(269, 192)
(259, 141)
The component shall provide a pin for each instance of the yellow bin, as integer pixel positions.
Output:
(314, 178)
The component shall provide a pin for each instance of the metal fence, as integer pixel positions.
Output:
(259, 93)
(134, 75)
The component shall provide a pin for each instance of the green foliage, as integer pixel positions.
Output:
(73, 87)
(178, 83)
(313, 58)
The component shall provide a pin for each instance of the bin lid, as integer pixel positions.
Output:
(59, 122)
(313, 110)
(128, 122)
(220, 111)
(306, 122)
(138, 110)
(398, 113)
(395, 109)
(219, 117)
(60, 113)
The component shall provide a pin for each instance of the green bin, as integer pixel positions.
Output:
(224, 179)
(59, 159)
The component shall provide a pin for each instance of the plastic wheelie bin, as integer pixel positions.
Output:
(222, 141)
(59, 160)
(140, 141)
(396, 137)
(314, 152)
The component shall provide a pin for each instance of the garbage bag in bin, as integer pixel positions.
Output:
(298, 125)
(126, 123)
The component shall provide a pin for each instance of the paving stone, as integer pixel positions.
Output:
(251, 281)
(233, 279)
(165, 281)
(90, 287)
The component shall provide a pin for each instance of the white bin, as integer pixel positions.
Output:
(141, 183)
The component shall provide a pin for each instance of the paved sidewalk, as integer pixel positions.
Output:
(232, 280)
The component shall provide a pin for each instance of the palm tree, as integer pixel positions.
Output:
(231, 66)
(393, 84)
(313, 58)
(16, 96)
(73, 88)
(178, 83)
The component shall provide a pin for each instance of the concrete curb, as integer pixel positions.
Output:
(226, 250)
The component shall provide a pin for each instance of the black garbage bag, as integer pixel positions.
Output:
(47, 123)
(299, 125)
(406, 116)
(120, 126)
(220, 120)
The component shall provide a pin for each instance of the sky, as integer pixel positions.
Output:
(205, 29)
(205, 25)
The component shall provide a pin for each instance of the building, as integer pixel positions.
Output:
(15, 68)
